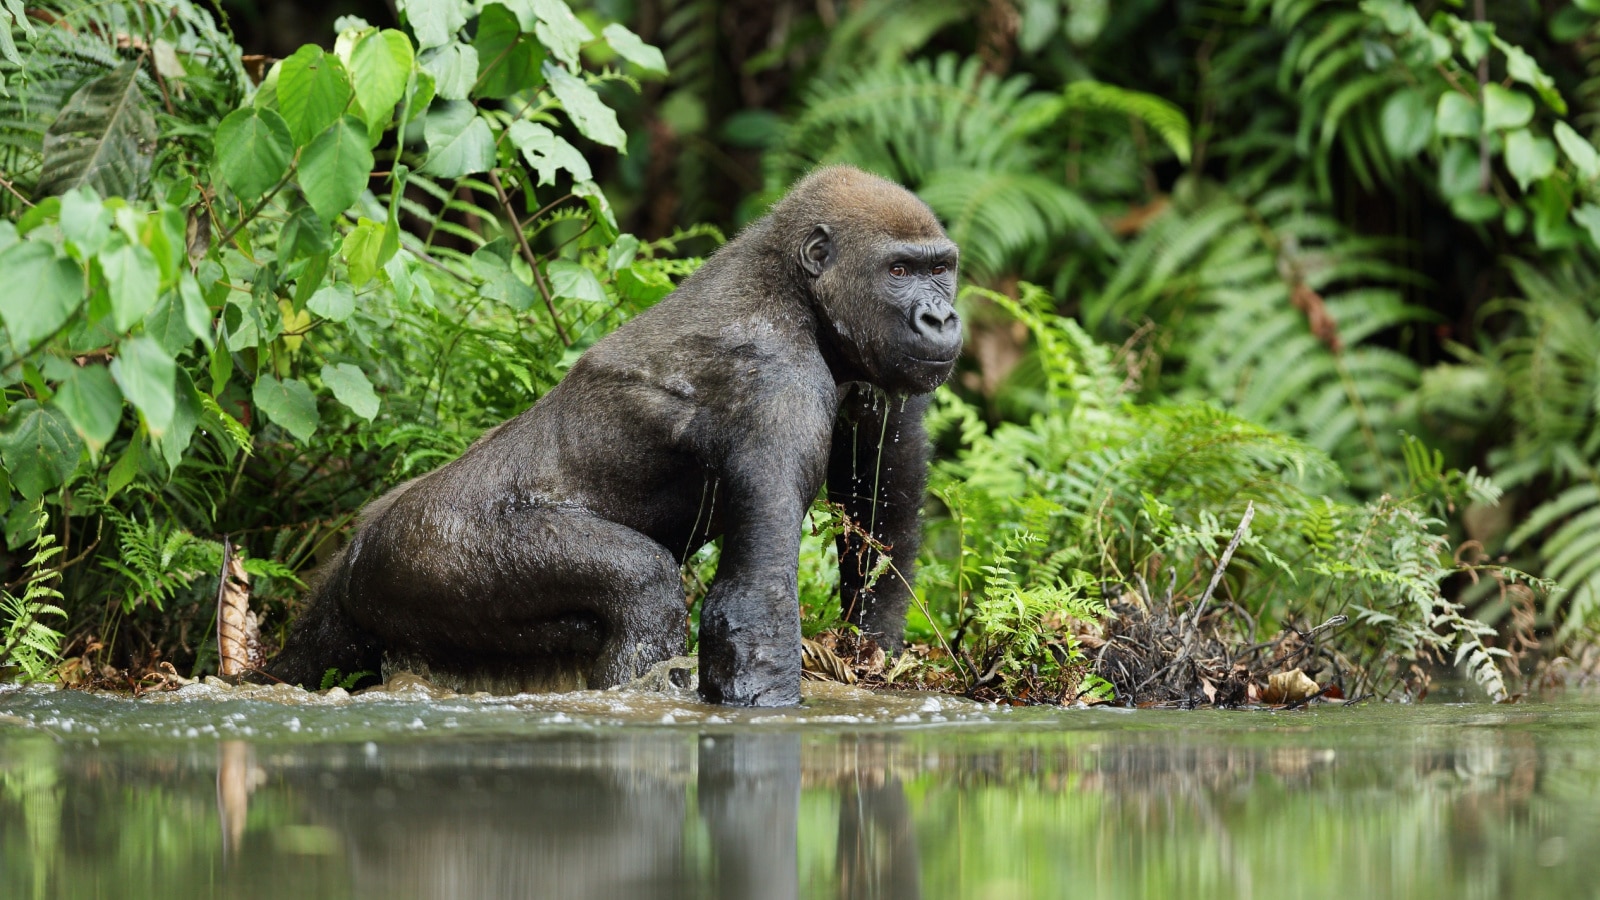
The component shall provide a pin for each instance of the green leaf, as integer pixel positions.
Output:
(508, 59)
(84, 220)
(1407, 122)
(165, 324)
(366, 248)
(459, 143)
(13, 14)
(92, 403)
(1582, 153)
(629, 46)
(1529, 158)
(454, 68)
(492, 263)
(186, 416)
(196, 314)
(560, 30)
(434, 22)
(105, 137)
(568, 279)
(132, 279)
(146, 375)
(379, 66)
(334, 302)
(1522, 67)
(351, 387)
(313, 92)
(288, 403)
(1456, 116)
(594, 119)
(254, 147)
(1459, 170)
(39, 447)
(1504, 108)
(548, 152)
(44, 288)
(126, 467)
(334, 169)
(1588, 217)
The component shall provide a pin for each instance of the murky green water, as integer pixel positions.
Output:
(201, 794)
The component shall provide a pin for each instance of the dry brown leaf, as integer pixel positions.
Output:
(1210, 690)
(1289, 687)
(821, 662)
(238, 631)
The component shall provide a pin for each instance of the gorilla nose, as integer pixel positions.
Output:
(935, 322)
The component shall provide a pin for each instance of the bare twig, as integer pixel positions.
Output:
(1222, 565)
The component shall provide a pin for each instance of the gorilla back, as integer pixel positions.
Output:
(553, 544)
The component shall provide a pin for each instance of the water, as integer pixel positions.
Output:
(203, 794)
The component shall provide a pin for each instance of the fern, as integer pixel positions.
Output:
(26, 641)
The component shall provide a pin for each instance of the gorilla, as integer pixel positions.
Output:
(802, 351)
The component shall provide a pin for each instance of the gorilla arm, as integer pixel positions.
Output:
(877, 471)
(750, 622)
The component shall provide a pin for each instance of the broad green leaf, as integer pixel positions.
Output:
(39, 447)
(1504, 108)
(254, 147)
(568, 279)
(43, 289)
(289, 403)
(351, 387)
(631, 48)
(164, 233)
(492, 263)
(600, 205)
(434, 22)
(622, 252)
(1588, 216)
(127, 466)
(313, 92)
(1522, 67)
(1407, 122)
(241, 323)
(547, 152)
(84, 220)
(594, 119)
(304, 235)
(1456, 116)
(1578, 149)
(334, 169)
(379, 66)
(146, 375)
(165, 323)
(459, 143)
(196, 314)
(335, 302)
(105, 137)
(364, 250)
(186, 415)
(1459, 170)
(508, 59)
(560, 30)
(454, 68)
(92, 403)
(1529, 158)
(13, 14)
(132, 279)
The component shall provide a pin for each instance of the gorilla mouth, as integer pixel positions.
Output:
(934, 362)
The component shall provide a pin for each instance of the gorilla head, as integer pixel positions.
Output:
(883, 275)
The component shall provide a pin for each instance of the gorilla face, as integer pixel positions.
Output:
(891, 304)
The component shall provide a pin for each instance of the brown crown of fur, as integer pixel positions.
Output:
(858, 203)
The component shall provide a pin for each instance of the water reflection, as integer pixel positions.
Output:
(1451, 803)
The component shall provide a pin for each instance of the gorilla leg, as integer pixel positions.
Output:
(877, 470)
(518, 594)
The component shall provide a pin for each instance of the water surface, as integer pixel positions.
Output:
(203, 793)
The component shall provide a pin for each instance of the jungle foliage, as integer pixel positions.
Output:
(1327, 261)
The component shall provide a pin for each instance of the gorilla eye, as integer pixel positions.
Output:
(897, 270)
(939, 269)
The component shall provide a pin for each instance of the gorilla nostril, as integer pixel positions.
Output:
(931, 321)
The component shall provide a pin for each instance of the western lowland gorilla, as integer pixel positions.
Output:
(801, 351)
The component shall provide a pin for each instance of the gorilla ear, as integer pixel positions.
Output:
(817, 252)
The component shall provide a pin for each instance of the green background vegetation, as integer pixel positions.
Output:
(1332, 260)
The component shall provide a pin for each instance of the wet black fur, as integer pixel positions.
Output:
(789, 358)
